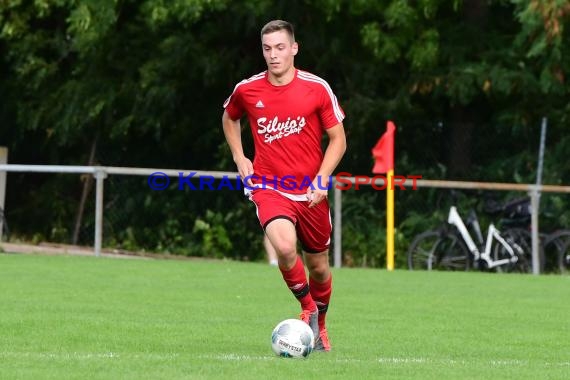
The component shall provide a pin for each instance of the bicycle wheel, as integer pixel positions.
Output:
(520, 240)
(438, 250)
(5, 230)
(557, 251)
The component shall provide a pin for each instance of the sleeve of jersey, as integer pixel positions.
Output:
(233, 105)
(331, 113)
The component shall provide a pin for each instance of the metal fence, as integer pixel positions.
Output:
(532, 190)
(101, 173)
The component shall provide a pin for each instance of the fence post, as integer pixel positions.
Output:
(535, 201)
(337, 226)
(3, 160)
(100, 176)
(534, 204)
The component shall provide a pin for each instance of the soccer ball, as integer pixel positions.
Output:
(292, 338)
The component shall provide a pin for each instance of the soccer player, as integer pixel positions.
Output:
(289, 110)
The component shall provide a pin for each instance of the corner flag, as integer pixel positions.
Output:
(383, 153)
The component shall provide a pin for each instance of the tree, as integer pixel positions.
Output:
(146, 80)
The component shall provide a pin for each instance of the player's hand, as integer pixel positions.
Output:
(316, 193)
(245, 169)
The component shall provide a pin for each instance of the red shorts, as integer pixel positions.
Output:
(313, 225)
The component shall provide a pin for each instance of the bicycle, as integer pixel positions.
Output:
(4, 223)
(515, 225)
(451, 247)
(557, 247)
(554, 248)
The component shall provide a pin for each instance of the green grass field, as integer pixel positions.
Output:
(70, 317)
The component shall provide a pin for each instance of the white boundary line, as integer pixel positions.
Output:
(403, 360)
(239, 357)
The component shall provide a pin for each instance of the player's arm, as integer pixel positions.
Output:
(232, 132)
(333, 154)
(335, 150)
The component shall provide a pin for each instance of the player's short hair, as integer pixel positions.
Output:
(277, 25)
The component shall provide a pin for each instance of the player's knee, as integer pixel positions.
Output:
(318, 266)
(320, 273)
(318, 270)
(285, 248)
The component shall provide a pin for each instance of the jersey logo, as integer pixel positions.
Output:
(259, 104)
(275, 129)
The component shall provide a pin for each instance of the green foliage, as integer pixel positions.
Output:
(364, 237)
(424, 52)
(214, 240)
(146, 80)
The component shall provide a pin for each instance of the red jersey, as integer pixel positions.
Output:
(287, 123)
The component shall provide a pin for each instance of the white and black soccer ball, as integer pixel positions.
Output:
(292, 338)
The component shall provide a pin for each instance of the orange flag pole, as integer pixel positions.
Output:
(383, 153)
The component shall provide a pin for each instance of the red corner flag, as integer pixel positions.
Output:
(383, 152)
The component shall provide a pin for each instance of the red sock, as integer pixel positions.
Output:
(321, 293)
(296, 280)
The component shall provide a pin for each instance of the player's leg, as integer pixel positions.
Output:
(277, 216)
(314, 229)
(320, 285)
(320, 282)
(282, 235)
